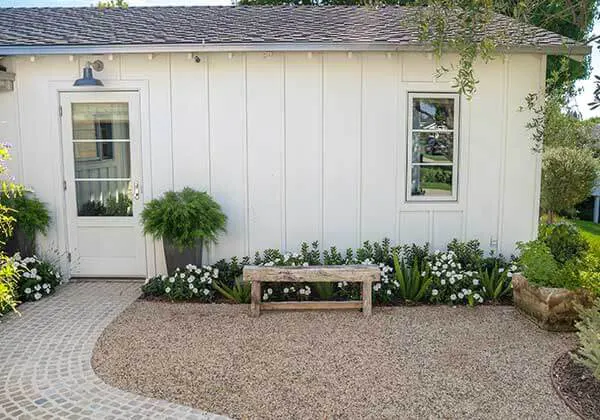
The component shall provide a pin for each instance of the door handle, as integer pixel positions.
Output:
(136, 190)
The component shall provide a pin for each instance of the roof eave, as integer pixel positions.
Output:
(575, 52)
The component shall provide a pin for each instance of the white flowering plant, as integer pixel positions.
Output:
(37, 278)
(451, 282)
(188, 283)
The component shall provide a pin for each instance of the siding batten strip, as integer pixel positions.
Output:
(284, 242)
(245, 156)
(361, 154)
(322, 154)
(172, 143)
(211, 249)
(505, 125)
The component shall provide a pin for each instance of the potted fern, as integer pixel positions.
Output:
(185, 221)
(31, 217)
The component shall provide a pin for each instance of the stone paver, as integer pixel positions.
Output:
(45, 369)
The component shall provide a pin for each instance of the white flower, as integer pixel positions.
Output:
(206, 291)
(216, 271)
(182, 275)
(167, 290)
(191, 286)
(292, 289)
(28, 290)
(423, 273)
(376, 286)
(57, 275)
(305, 264)
(37, 296)
(453, 296)
(146, 281)
(468, 292)
(195, 291)
(286, 290)
(509, 274)
(460, 295)
(163, 277)
(172, 280)
(48, 290)
(443, 282)
(500, 270)
(480, 300)
(445, 266)
(307, 290)
(459, 276)
(34, 271)
(265, 296)
(513, 268)
(434, 292)
(340, 285)
(388, 291)
(37, 287)
(270, 291)
(301, 291)
(452, 281)
(475, 282)
(476, 296)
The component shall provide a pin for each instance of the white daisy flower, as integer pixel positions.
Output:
(206, 291)
(270, 291)
(28, 290)
(453, 296)
(37, 296)
(434, 292)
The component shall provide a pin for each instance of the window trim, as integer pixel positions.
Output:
(409, 146)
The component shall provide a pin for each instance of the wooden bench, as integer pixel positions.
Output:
(365, 274)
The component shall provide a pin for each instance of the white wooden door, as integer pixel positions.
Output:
(103, 173)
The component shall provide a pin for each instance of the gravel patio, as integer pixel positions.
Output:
(425, 361)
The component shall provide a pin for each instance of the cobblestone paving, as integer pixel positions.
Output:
(45, 353)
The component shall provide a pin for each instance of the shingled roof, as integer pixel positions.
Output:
(146, 29)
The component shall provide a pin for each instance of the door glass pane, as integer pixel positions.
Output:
(433, 114)
(431, 181)
(432, 147)
(102, 160)
(100, 121)
(104, 198)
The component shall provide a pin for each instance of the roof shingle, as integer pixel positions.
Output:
(394, 26)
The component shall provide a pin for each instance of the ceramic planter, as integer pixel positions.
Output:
(175, 257)
(19, 242)
(551, 308)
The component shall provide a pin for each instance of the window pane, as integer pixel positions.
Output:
(431, 181)
(100, 121)
(433, 113)
(102, 160)
(433, 147)
(103, 198)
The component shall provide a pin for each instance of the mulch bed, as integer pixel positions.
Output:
(577, 387)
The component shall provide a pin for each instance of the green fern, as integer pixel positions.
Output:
(412, 286)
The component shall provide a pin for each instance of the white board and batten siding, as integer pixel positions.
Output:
(297, 146)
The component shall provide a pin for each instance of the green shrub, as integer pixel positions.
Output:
(8, 284)
(564, 240)
(31, 215)
(588, 332)
(538, 264)
(183, 218)
(468, 254)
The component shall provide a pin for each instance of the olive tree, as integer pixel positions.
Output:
(568, 175)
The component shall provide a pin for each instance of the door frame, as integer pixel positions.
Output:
(141, 87)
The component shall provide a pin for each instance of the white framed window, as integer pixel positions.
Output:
(433, 140)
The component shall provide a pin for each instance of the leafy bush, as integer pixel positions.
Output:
(468, 254)
(538, 263)
(183, 218)
(185, 284)
(8, 284)
(31, 215)
(564, 240)
(588, 353)
(568, 175)
(36, 278)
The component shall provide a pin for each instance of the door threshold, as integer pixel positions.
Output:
(107, 279)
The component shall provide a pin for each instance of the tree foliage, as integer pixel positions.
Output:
(568, 175)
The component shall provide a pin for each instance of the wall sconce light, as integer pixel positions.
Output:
(88, 74)
(7, 81)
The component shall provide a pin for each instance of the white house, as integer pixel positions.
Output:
(304, 123)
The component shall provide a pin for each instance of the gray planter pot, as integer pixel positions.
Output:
(19, 242)
(176, 258)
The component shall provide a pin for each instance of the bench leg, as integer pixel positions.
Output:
(366, 297)
(255, 299)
